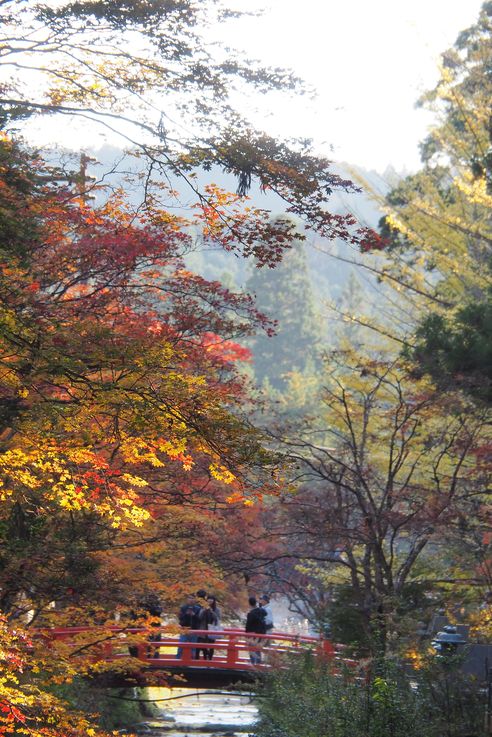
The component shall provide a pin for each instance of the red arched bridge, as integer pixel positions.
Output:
(156, 656)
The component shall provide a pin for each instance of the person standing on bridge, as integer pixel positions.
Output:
(188, 618)
(255, 622)
(265, 604)
(209, 620)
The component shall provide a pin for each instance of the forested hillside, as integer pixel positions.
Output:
(330, 268)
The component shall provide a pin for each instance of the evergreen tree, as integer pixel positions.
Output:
(438, 226)
(285, 295)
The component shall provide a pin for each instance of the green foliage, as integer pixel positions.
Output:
(115, 708)
(314, 700)
(346, 620)
(18, 222)
(437, 227)
(459, 352)
(454, 702)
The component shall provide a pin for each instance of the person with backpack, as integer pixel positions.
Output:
(189, 618)
(255, 622)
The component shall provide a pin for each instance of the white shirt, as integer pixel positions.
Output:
(269, 615)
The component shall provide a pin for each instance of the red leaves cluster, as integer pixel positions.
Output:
(370, 240)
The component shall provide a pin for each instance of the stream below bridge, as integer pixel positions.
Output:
(197, 713)
(208, 712)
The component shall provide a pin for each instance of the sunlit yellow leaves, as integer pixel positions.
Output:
(74, 479)
(481, 623)
(221, 473)
(72, 85)
(153, 452)
(475, 190)
(416, 658)
(133, 480)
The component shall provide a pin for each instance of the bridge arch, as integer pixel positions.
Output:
(157, 656)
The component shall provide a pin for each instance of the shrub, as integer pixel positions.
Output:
(312, 699)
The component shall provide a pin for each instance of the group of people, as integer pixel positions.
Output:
(201, 612)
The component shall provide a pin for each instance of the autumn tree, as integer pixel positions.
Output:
(436, 230)
(121, 412)
(394, 471)
(109, 345)
(170, 99)
(388, 472)
(121, 422)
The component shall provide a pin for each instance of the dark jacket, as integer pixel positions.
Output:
(255, 620)
(189, 616)
(207, 617)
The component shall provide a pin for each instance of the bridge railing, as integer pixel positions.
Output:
(232, 649)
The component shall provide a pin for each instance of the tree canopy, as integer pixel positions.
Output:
(121, 422)
(150, 71)
(436, 232)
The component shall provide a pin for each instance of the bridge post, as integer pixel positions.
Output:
(232, 651)
(327, 650)
(107, 650)
(187, 652)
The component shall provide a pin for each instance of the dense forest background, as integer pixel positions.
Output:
(315, 275)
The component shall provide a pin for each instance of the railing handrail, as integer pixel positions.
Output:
(169, 629)
(233, 647)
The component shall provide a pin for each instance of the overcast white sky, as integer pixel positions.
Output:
(369, 60)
